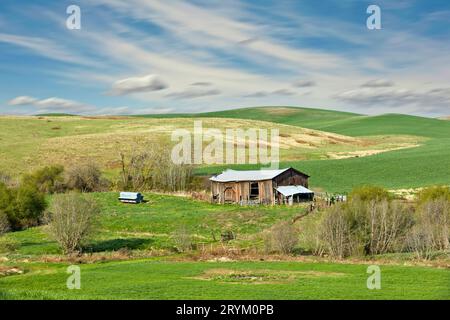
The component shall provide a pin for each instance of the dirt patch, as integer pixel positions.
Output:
(366, 153)
(280, 111)
(263, 276)
(9, 271)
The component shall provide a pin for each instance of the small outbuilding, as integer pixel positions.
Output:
(260, 186)
(292, 194)
(131, 197)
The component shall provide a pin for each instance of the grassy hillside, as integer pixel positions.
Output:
(427, 164)
(150, 227)
(344, 153)
(304, 117)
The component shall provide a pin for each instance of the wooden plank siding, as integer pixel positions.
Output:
(239, 191)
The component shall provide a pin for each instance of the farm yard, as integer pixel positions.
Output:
(179, 245)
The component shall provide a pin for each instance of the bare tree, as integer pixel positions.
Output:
(431, 232)
(183, 239)
(85, 177)
(336, 233)
(152, 168)
(282, 237)
(71, 220)
(389, 223)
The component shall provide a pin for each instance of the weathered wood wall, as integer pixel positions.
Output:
(239, 192)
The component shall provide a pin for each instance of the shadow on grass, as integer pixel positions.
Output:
(116, 244)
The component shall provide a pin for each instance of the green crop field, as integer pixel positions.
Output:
(416, 150)
(424, 165)
(165, 279)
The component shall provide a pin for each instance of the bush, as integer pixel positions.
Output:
(46, 180)
(282, 238)
(153, 169)
(367, 193)
(24, 206)
(336, 233)
(4, 178)
(85, 178)
(29, 207)
(183, 239)
(431, 231)
(8, 245)
(434, 193)
(4, 223)
(367, 224)
(72, 219)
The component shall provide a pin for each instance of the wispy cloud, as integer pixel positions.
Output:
(204, 55)
(43, 47)
(52, 104)
(378, 83)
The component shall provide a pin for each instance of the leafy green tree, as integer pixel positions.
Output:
(47, 180)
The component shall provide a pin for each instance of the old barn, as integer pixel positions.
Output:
(261, 187)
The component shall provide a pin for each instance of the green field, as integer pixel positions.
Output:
(427, 164)
(134, 253)
(151, 225)
(149, 228)
(423, 160)
(163, 279)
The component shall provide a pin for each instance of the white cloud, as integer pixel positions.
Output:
(192, 93)
(378, 83)
(304, 83)
(52, 104)
(138, 84)
(434, 101)
(22, 100)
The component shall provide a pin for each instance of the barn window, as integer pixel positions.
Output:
(254, 190)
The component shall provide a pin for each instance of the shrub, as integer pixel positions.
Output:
(46, 180)
(8, 245)
(85, 177)
(335, 232)
(24, 206)
(434, 193)
(153, 169)
(4, 223)
(367, 193)
(183, 239)
(431, 232)
(282, 237)
(72, 219)
(366, 225)
(4, 178)
(310, 235)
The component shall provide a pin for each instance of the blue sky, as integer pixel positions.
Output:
(148, 56)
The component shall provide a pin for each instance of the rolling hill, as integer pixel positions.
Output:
(340, 150)
(427, 164)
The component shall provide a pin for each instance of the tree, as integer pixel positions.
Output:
(152, 168)
(282, 237)
(47, 180)
(85, 177)
(4, 223)
(71, 220)
(24, 206)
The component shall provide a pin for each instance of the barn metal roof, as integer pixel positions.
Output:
(247, 175)
(291, 190)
